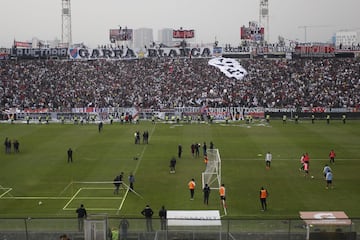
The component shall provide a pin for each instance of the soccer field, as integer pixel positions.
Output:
(40, 171)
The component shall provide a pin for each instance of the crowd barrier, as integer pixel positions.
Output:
(230, 229)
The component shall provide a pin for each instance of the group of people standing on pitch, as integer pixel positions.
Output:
(7, 144)
(305, 166)
(195, 152)
(327, 171)
(145, 136)
(206, 192)
(195, 148)
(118, 181)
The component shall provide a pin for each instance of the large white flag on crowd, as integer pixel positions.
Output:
(230, 67)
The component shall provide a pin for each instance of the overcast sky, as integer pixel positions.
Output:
(91, 20)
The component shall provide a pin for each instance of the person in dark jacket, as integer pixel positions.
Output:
(147, 212)
(81, 215)
(162, 216)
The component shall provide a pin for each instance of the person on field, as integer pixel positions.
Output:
(191, 186)
(131, 181)
(206, 160)
(193, 149)
(172, 165)
(16, 145)
(306, 169)
(332, 156)
(263, 196)
(222, 193)
(307, 158)
(268, 158)
(206, 191)
(197, 149)
(70, 155)
(179, 151)
(81, 215)
(117, 182)
(211, 145)
(7, 144)
(145, 137)
(100, 126)
(302, 162)
(329, 179)
(326, 170)
(204, 149)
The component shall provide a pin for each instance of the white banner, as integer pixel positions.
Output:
(193, 218)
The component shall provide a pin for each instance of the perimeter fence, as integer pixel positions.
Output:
(109, 228)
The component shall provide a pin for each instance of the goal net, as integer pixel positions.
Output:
(212, 173)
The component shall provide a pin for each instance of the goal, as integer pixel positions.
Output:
(212, 173)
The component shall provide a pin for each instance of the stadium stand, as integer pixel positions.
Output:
(165, 83)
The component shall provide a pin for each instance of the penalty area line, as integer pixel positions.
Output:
(8, 190)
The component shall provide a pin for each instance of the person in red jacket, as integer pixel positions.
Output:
(332, 156)
(307, 159)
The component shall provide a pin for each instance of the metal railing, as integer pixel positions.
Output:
(230, 229)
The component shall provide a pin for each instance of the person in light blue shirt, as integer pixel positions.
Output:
(329, 178)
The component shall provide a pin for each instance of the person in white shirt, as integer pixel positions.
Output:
(268, 158)
(326, 170)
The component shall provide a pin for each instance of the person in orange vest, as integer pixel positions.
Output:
(206, 160)
(191, 186)
(263, 195)
(332, 156)
(222, 192)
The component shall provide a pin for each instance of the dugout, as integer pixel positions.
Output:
(331, 225)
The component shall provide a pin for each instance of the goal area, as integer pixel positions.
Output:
(212, 173)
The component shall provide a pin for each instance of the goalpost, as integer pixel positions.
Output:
(212, 173)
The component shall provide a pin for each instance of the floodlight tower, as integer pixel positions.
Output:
(264, 18)
(66, 34)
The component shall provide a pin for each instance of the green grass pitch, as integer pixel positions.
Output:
(40, 171)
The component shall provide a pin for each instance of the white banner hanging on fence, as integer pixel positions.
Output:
(193, 218)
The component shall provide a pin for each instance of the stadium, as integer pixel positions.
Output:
(98, 128)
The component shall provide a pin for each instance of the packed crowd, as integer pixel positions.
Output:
(166, 83)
